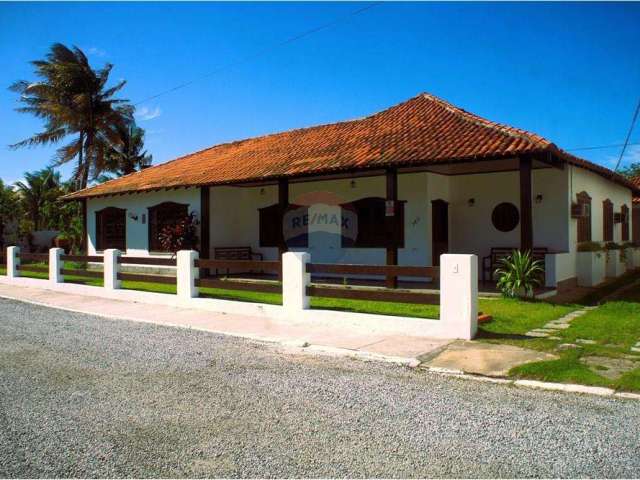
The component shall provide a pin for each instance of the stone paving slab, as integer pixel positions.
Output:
(484, 358)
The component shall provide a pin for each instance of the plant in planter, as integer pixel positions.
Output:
(615, 264)
(180, 236)
(590, 264)
(519, 274)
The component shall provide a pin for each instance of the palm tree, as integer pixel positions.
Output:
(73, 100)
(127, 156)
(9, 209)
(39, 189)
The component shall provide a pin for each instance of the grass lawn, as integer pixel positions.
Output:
(615, 328)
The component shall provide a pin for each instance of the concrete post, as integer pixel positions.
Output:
(187, 274)
(55, 265)
(13, 262)
(295, 280)
(459, 295)
(111, 268)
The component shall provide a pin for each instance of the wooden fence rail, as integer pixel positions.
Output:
(257, 265)
(234, 285)
(374, 295)
(382, 270)
(143, 277)
(169, 262)
(37, 257)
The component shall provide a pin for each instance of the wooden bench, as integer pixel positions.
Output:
(235, 253)
(492, 261)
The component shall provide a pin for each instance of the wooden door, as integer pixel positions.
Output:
(439, 229)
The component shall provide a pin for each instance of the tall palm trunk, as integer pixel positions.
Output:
(80, 163)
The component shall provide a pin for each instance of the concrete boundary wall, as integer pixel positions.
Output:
(458, 299)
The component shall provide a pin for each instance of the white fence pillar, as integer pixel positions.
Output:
(55, 265)
(111, 268)
(13, 262)
(295, 280)
(187, 273)
(459, 295)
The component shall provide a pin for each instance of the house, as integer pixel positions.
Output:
(401, 186)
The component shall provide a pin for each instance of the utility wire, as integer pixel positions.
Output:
(600, 147)
(626, 142)
(266, 50)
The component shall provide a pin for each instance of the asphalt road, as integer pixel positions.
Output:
(82, 396)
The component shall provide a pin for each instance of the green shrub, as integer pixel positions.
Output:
(519, 274)
(589, 247)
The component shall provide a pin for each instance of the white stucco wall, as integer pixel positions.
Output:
(471, 229)
(235, 221)
(137, 204)
(599, 189)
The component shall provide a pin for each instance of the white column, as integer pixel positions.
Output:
(459, 295)
(111, 269)
(13, 262)
(295, 280)
(187, 273)
(55, 265)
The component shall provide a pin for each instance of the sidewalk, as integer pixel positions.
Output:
(401, 349)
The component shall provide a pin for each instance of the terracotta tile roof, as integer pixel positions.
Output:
(421, 131)
(636, 182)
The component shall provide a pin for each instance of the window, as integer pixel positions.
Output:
(505, 217)
(624, 211)
(607, 220)
(163, 215)
(111, 229)
(294, 232)
(374, 228)
(584, 217)
(635, 212)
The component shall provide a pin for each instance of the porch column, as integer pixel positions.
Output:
(392, 251)
(526, 216)
(83, 243)
(205, 227)
(283, 202)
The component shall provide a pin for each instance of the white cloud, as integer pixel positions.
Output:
(145, 113)
(96, 52)
(631, 155)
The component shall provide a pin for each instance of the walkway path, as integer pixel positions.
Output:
(315, 339)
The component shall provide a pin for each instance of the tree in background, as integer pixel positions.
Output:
(10, 211)
(128, 155)
(38, 195)
(73, 101)
(633, 170)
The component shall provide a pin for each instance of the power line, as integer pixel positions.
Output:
(598, 147)
(633, 123)
(265, 50)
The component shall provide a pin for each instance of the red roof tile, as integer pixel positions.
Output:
(421, 131)
(636, 182)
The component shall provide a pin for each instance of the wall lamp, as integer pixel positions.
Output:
(353, 184)
(471, 202)
(539, 198)
(133, 216)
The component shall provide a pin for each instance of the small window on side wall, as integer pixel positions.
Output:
(163, 215)
(111, 229)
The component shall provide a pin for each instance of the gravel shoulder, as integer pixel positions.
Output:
(82, 396)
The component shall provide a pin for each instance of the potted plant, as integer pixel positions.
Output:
(62, 241)
(615, 264)
(519, 274)
(180, 236)
(590, 264)
(627, 253)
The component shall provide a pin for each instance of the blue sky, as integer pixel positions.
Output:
(570, 72)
